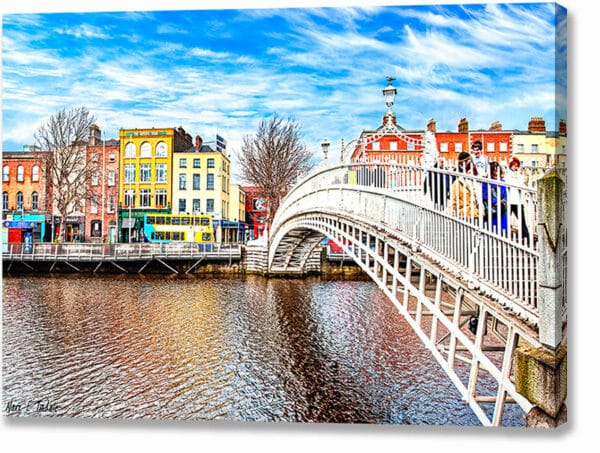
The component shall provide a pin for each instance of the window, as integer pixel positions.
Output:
(444, 147)
(96, 228)
(35, 173)
(129, 197)
(196, 163)
(111, 177)
(5, 173)
(145, 198)
(490, 147)
(111, 157)
(534, 149)
(161, 173)
(5, 201)
(130, 150)
(196, 181)
(160, 198)
(210, 163)
(411, 146)
(458, 147)
(520, 147)
(210, 181)
(210, 205)
(145, 173)
(34, 201)
(110, 204)
(183, 163)
(376, 146)
(182, 205)
(20, 173)
(146, 150)
(19, 201)
(129, 172)
(503, 147)
(196, 205)
(93, 207)
(534, 163)
(393, 146)
(95, 179)
(94, 157)
(161, 149)
(182, 182)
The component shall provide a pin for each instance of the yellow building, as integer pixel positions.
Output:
(237, 203)
(538, 147)
(146, 174)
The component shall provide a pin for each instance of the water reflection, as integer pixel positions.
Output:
(205, 348)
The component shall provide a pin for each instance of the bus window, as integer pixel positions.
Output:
(204, 221)
(206, 237)
(160, 220)
(150, 220)
(185, 221)
(175, 221)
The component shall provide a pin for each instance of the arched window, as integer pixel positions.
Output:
(5, 201)
(19, 201)
(20, 173)
(34, 201)
(5, 173)
(130, 150)
(35, 173)
(146, 150)
(161, 149)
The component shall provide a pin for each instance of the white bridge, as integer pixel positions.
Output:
(475, 296)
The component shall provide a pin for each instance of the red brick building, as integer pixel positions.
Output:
(25, 195)
(256, 211)
(103, 189)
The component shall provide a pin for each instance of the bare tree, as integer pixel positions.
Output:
(64, 137)
(273, 159)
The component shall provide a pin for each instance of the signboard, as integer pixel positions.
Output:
(23, 224)
(259, 204)
(221, 143)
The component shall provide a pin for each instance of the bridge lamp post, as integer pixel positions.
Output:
(325, 148)
(389, 93)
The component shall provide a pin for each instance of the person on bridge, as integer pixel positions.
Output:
(481, 162)
(463, 193)
(495, 204)
(437, 184)
(515, 195)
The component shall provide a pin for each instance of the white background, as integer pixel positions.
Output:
(65, 435)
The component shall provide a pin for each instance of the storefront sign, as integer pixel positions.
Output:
(23, 224)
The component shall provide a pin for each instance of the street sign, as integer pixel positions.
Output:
(23, 224)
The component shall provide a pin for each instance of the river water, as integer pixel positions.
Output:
(240, 349)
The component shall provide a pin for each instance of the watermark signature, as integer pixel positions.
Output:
(30, 407)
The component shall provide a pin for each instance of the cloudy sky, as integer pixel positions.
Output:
(222, 71)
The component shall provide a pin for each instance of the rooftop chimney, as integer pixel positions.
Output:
(496, 126)
(463, 126)
(537, 124)
(562, 127)
(198, 143)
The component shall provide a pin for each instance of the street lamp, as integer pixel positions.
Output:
(389, 93)
(325, 147)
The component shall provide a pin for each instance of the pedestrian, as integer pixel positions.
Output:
(516, 182)
(495, 201)
(437, 184)
(463, 192)
(479, 159)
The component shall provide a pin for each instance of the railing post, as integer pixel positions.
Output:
(541, 373)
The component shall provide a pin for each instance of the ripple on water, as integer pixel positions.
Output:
(236, 349)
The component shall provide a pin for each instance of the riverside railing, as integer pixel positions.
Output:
(482, 229)
(118, 252)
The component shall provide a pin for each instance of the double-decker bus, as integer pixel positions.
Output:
(179, 228)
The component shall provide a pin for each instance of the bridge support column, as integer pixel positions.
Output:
(257, 258)
(541, 377)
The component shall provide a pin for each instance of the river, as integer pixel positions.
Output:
(239, 349)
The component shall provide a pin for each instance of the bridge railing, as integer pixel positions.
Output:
(136, 251)
(488, 233)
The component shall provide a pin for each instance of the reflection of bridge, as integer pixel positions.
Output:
(490, 306)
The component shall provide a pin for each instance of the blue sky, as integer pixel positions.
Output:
(222, 71)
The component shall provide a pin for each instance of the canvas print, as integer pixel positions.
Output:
(301, 215)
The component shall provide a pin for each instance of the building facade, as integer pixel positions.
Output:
(146, 175)
(237, 212)
(256, 212)
(26, 197)
(101, 219)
